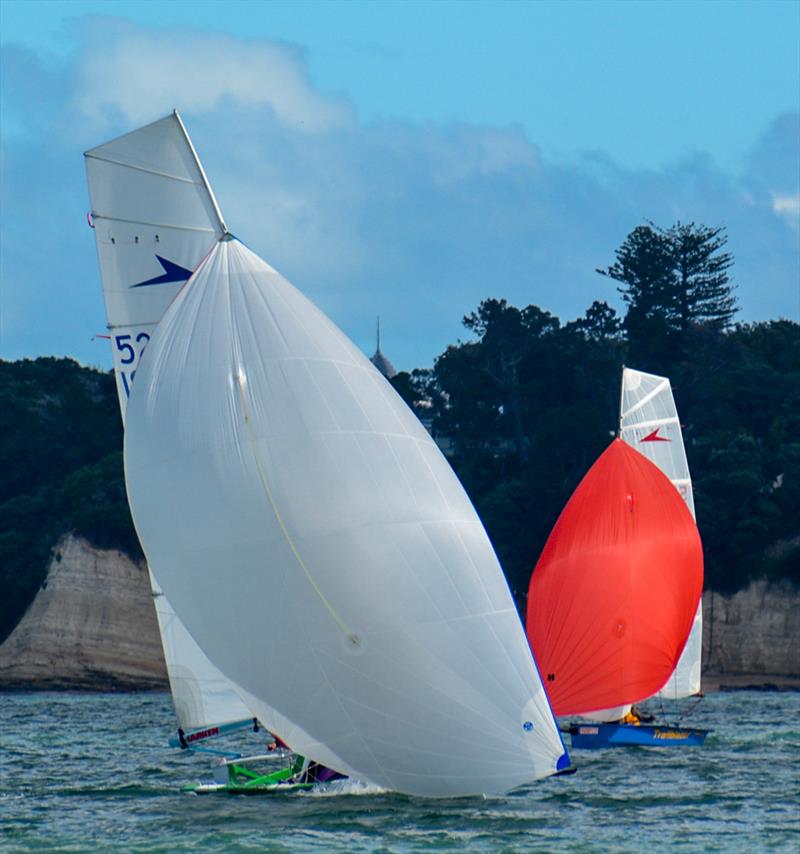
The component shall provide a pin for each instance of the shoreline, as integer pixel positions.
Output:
(713, 683)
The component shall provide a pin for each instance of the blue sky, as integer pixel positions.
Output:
(408, 159)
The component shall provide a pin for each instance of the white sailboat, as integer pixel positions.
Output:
(155, 218)
(649, 422)
(272, 470)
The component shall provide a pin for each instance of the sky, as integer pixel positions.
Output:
(408, 159)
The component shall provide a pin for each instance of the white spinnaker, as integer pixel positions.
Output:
(309, 504)
(649, 423)
(150, 200)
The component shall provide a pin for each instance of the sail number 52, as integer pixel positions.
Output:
(129, 351)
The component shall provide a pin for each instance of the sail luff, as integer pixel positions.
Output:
(220, 221)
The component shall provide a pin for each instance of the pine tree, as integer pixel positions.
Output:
(678, 276)
(700, 270)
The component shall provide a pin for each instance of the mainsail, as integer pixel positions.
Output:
(306, 500)
(649, 422)
(155, 219)
(614, 593)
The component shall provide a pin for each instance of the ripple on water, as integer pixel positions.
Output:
(83, 772)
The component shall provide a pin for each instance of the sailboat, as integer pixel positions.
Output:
(155, 218)
(312, 539)
(649, 422)
(616, 592)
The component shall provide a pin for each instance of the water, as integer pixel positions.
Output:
(92, 772)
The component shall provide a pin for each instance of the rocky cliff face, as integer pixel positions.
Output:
(92, 626)
(753, 636)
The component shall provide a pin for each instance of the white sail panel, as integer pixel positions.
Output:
(649, 423)
(202, 696)
(155, 219)
(307, 500)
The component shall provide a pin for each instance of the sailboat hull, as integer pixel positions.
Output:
(596, 736)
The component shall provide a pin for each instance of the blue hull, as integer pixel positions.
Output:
(594, 736)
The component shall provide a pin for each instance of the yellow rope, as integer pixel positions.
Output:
(351, 637)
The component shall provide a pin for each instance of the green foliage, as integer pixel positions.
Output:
(61, 464)
(672, 280)
(530, 404)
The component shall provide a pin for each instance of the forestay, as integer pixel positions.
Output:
(308, 504)
(649, 422)
(155, 219)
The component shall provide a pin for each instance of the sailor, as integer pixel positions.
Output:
(636, 717)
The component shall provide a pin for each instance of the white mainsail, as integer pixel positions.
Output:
(155, 219)
(649, 423)
(307, 500)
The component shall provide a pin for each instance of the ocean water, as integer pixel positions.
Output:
(85, 772)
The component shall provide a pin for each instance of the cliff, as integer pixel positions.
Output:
(752, 638)
(92, 626)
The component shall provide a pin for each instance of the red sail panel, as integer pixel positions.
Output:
(613, 596)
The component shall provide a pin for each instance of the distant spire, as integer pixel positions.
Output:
(379, 360)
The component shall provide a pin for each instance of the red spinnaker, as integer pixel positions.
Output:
(613, 596)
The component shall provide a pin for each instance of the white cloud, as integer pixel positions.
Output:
(141, 73)
(415, 222)
(787, 206)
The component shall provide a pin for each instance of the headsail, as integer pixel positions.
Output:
(155, 219)
(613, 595)
(301, 487)
(649, 422)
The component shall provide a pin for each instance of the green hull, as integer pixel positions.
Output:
(244, 781)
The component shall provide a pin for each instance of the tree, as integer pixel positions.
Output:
(644, 266)
(673, 280)
(700, 269)
(599, 323)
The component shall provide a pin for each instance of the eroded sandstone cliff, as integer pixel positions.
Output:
(92, 626)
(752, 638)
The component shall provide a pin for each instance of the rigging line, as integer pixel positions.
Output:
(351, 636)
(688, 712)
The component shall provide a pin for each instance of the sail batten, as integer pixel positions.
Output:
(144, 169)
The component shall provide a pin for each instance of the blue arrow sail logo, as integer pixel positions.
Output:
(172, 273)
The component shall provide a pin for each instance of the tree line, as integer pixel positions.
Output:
(524, 407)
